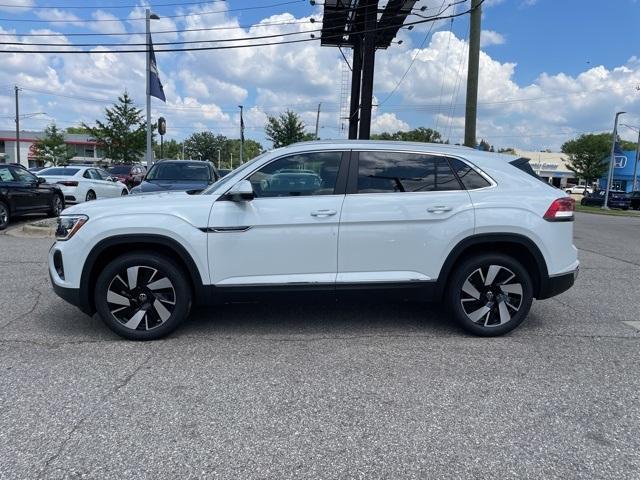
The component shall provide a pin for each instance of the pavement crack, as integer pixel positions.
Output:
(76, 426)
(28, 312)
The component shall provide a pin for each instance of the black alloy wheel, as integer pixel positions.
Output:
(490, 294)
(142, 296)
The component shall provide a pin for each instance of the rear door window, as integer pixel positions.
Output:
(398, 172)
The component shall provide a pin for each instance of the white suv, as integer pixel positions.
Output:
(420, 221)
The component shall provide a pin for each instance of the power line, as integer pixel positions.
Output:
(190, 49)
(105, 7)
(183, 15)
(159, 32)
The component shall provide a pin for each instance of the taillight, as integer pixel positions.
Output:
(561, 210)
(68, 183)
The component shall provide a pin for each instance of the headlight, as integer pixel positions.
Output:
(68, 225)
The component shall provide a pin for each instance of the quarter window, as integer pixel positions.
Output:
(391, 172)
(298, 175)
(467, 175)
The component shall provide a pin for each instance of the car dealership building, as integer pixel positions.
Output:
(85, 148)
(550, 166)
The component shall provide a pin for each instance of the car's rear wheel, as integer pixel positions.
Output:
(490, 294)
(4, 215)
(56, 205)
(142, 296)
(124, 192)
(91, 195)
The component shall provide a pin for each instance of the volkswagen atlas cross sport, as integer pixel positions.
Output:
(478, 230)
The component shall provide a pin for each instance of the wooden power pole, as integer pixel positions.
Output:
(471, 112)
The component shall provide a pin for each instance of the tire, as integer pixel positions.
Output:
(124, 192)
(495, 311)
(5, 215)
(57, 204)
(143, 311)
(91, 195)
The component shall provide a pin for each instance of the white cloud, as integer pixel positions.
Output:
(61, 17)
(387, 122)
(490, 37)
(11, 5)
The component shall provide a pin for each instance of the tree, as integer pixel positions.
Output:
(204, 145)
(123, 136)
(420, 134)
(250, 150)
(51, 149)
(284, 130)
(78, 130)
(587, 155)
(171, 149)
(484, 146)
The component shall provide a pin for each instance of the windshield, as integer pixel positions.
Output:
(62, 172)
(233, 174)
(120, 169)
(180, 172)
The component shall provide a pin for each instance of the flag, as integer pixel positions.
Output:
(155, 87)
(241, 127)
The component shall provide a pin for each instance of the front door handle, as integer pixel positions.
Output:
(439, 209)
(323, 213)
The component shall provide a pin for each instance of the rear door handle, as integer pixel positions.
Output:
(438, 209)
(323, 213)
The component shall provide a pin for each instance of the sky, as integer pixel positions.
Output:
(549, 70)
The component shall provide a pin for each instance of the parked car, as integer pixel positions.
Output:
(617, 199)
(178, 175)
(387, 218)
(84, 183)
(579, 189)
(35, 169)
(21, 192)
(223, 171)
(634, 200)
(129, 174)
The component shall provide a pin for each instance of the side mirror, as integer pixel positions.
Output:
(242, 191)
(41, 180)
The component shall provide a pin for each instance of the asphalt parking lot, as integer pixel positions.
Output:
(327, 390)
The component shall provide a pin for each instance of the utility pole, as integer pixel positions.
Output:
(635, 167)
(612, 160)
(148, 60)
(231, 164)
(17, 89)
(356, 79)
(318, 120)
(368, 65)
(218, 159)
(471, 112)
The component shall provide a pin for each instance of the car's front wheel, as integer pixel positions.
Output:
(4, 215)
(124, 192)
(142, 296)
(490, 294)
(91, 195)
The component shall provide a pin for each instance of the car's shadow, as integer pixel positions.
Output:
(344, 317)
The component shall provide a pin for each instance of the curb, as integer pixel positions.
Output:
(31, 231)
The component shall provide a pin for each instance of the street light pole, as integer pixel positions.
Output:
(218, 159)
(614, 137)
(17, 126)
(635, 167)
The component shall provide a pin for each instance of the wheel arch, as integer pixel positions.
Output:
(518, 246)
(112, 247)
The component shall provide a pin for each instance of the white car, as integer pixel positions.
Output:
(83, 183)
(478, 230)
(579, 189)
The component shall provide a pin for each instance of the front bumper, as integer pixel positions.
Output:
(75, 296)
(557, 284)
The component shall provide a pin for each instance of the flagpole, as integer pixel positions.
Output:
(241, 136)
(148, 70)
